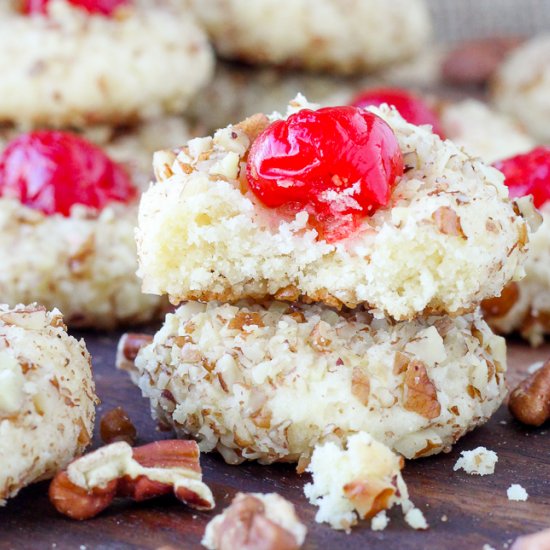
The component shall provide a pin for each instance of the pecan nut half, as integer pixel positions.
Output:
(91, 482)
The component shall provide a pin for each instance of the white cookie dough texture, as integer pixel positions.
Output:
(449, 237)
(47, 397)
(83, 265)
(360, 35)
(521, 86)
(71, 68)
(269, 383)
(359, 481)
(484, 132)
(525, 306)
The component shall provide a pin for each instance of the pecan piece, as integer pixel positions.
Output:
(447, 221)
(252, 522)
(91, 482)
(360, 385)
(116, 425)
(474, 62)
(530, 401)
(128, 349)
(420, 394)
(254, 125)
(501, 305)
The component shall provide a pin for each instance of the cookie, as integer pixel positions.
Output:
(524, 306)
(270, 382)
(447, 238)
(484, 132)
(62, 252)
(71, 68)
(319, 36)
(521, 86)
(47, 397)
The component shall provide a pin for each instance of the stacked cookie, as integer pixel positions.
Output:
(68, 207)
(332, 263)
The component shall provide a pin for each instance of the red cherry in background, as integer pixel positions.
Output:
(338, 163)
(528, 174)
(51, 171)
(104, 7)
(410, 106)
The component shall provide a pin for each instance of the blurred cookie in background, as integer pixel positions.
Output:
(522, 87)
(67, 65)
(67, 218)
(347, 37)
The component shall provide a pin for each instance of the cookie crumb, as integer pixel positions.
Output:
(517, 492)
(379, 521)
(479, 461)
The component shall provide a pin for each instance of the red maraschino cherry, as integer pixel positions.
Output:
(411, 107)
(338, 163)
(103, 7)
(51, 171)
(528, 174)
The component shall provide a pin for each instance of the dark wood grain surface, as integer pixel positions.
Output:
(464, 511)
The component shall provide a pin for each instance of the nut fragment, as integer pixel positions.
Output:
(128, 348)
(254, 125)
(91, 482)
(475, 61)
(420, 393)
(530, 401)
(447, 221)
(501, 305)
(116, 425)
(256, 522)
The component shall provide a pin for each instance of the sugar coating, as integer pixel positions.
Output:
(351, 483)
(483, 132)
(74, 69)
(83, 264)
(521, 86)
(479, 461)
(529, 312)
(367, 35)
(276, 509)
(517, 492)
(448, 238)
(47, 397)
(269, 383)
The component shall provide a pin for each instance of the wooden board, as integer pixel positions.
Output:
(463, 511)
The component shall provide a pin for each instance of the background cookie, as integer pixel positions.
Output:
(72, 68)
(522, 86)
(359, 36)
(269, 382)
(47, 397)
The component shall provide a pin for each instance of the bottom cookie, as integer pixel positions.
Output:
(269, 382)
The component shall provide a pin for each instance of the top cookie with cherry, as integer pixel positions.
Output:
(341, 205)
